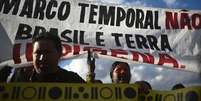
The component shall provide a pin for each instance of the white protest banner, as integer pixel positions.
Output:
(165, 37)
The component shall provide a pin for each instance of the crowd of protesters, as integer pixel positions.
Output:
(47, 50)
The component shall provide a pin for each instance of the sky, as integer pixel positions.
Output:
(159, 78)
(179, 4)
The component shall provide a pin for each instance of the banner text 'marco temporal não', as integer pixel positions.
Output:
(101, 14)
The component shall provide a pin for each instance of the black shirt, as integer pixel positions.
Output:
(29, 75)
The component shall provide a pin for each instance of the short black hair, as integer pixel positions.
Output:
(49, 36)
(144, 82)
(178, 86)
(114, 65)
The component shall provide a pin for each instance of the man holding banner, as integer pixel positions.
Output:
(47, 50)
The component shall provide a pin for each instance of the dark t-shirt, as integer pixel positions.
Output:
(28, 75)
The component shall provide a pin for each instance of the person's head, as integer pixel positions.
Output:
(47, 51)
(144, 86)
(178, 86)
(4, 73)
(120, 72)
